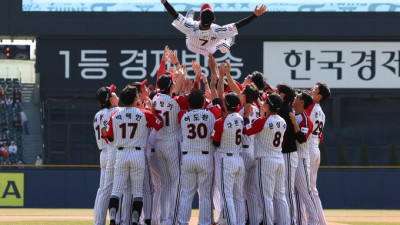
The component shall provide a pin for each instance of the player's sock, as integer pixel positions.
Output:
(136, 210)
(190, 14)
(113, 206)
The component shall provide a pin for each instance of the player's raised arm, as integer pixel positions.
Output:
(170, 9)
(257, 12)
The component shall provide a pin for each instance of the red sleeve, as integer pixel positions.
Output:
(255, 127)
(180, 115)
(153, 119)
(110, 132)
(309, 109)
(218, 129)
(238, 84)
(160, 71)
(216, 111)
(196, 85)
(182, 102)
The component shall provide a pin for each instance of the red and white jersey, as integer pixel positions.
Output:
(305, 125)
(106, 119)
(130, 126)
(249, 140)
(197, 126)
(317, 117)
(203, 41)
(228, 132)
(101, 142)
(168, 108)
(268, 136)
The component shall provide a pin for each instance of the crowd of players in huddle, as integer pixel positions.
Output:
(249, 150)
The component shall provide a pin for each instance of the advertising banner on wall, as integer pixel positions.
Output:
(84, 65)
(217, 5)
(339, 64)
(11, 189)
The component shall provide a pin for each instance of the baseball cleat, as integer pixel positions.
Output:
(190, 14)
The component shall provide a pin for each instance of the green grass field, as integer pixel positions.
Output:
(18, 216)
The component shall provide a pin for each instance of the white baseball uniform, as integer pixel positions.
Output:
(228, 132)
(205, 41)
(318, 120)
(250, 182)
(129, 129)
(197, 168)
(168, 153)
(99, 215)
(155, 175)
(105, 192)
(302, 178)
(270, 167)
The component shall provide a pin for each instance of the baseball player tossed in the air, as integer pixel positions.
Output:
(289, 148)
(227, 137)
(108, 99)
(167, 145)
(268, 131)
(302, 128)
(197, 166)
(204, 36)
(129, 129)
(319, 93)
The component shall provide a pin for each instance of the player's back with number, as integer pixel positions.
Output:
(97, 124)
(196, 130)
(269, 139)
(228, 131)
(317, 117)
(129, 127)
(168, 108)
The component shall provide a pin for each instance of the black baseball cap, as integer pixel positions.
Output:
(232, 101)
(274, 101)
(164, 82)
(103, 95)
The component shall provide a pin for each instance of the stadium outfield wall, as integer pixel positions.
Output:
(76, 188)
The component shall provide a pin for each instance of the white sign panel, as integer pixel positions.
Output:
(217, 5)
(339, 64)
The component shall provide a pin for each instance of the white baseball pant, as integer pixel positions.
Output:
(155, 175)
(251, 193)
(315, 158)
(231, 181)
(291, 160)
(100, 208)
(197, 173)
(271, 186)
(168, 154)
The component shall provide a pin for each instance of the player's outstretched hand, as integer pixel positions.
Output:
(261, 10)
(228, 67)
(196, 68)
(165, 55)
(172, 58)
(211, 61)
(222, 69)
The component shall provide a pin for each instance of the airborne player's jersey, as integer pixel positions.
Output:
(203, 41)
(317, 117)
(228, 132)
(101, 143)
(305, 126)
(130, 126)
(168, 108)
(197, 126)
(268, 136)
